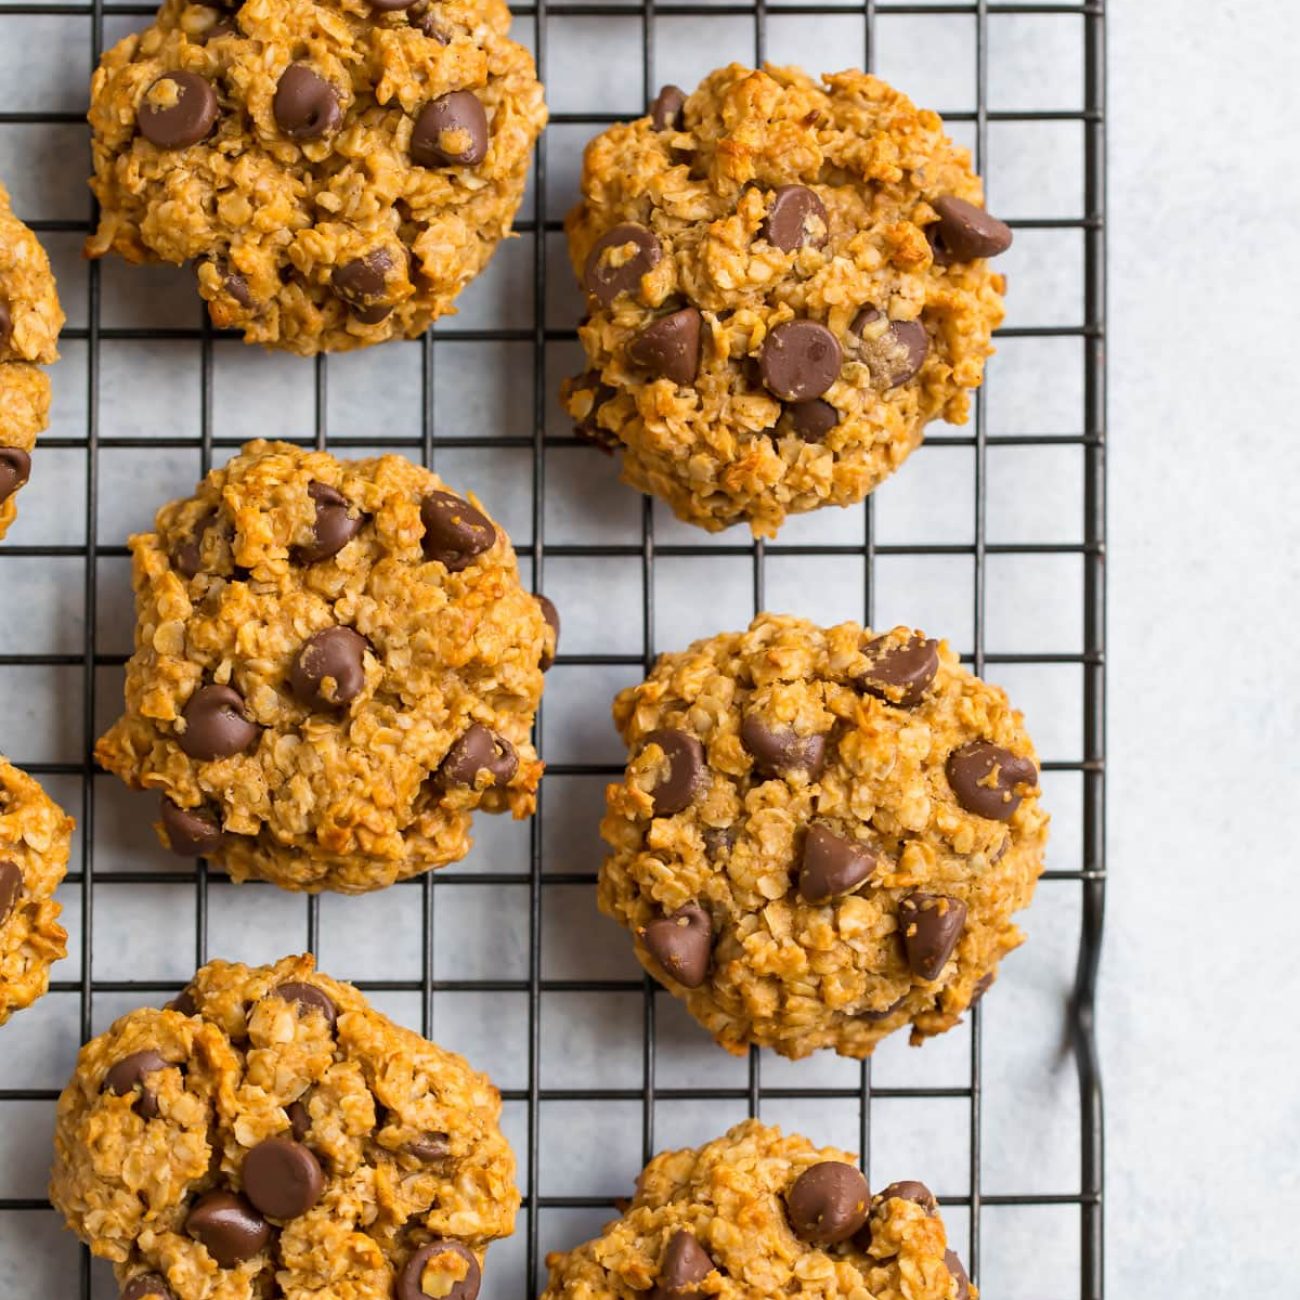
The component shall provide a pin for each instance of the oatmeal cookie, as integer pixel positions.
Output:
(821, 835)
(335, 665)
(756, 1214)
(785, 282)
(269, 1133)
(336, 170)
(34, 837)
(30, 320)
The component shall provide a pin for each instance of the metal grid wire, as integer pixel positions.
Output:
(1089, 765)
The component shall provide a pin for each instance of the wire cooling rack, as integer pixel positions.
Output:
(992, 535)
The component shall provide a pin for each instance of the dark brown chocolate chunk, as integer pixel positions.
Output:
(686, 777)
(390, 6)
(191, 832)
(6, 322)
(895, 352)
(308, 999)
(228, 1226)
(425, 17)
(958, 1270)
(338, 655)
(334, 527)
(900, 674)
(130, 1073)
(11, 887)
(305, 105)
(832, 865)
(299, 1120)
(612, 269)
(454, 531)
(828, 1203)
(797, 217)
(685, 1262)
(965, 232)
(779, 751)
(930, 925)
(187, 121)
(15, 470)
(478, 750)
(363, 283)
(800, 360)
(589, 427)
(876, 1016)
(459, 1277)
(666, 110)
(681, 944)
(552, 617)
(216, 725)
(982, 986)
(236, 286)
(187, 557)
(451, 131)
(148, 1286)
(669, 348)
(183, 1003)
(984, 777)
(719, 841)
(910, 1190)
(813, 420)
(430, 1147)
(282, 1178)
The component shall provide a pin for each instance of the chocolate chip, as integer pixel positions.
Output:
(719, 841)
(6, 323)
(15, 470)
(778, 751)
(832, 865)
(900, 674)
(282, 1178)
(334, 527)
(216, 725)
(454, 531)
(307, 998)
(222, 27)
(685, 1262)
(589, 427)
(430, 1147)
(129, 1073)
(965, 232)
(187, 557)
(876, 1016)
(191, 832)
(982, 986)
(183, 1003)
(390, 6)
(335, 655)
(478, 750)
(797, 217)
(299, 1120)
(11, 886)
(228, 1226)
(305, 105)
(362, 284)
(930, 925)
(669, 348)
(552, 617)
(666, 110)
(828, 1203)
(894, 352)
(686, 777)
(813, 420)
(456, 1269)
(958, 1271)
(681, 943)
(618, 261)
(452, 131)
(147, 1286)
(237, 287)
(187, 121)
(426, 20)
(800, 360)
(984, 777)
(910, 1190)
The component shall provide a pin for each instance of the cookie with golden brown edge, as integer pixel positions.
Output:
(269, 1133)
(822, 835)
(786, 281)
(756, 1214)
(335, 666)
(336, 171)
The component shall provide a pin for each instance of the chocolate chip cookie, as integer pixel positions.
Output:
(30, 320)
(34, 837)
(757, 1214)
(335, 665)
(336, 171)
(269, 1133)
(785, 283)
(822, 834)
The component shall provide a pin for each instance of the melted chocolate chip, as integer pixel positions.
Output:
(479, 750)
(667, 109)
(900, 674)
(828, 1203)
(15, 470)
(130, 1073)
(334, 527)
(910, 1190)
(797, 217)
(799, 360)
(308, 999)
(216, 725)
(452, 131)
(780, 751)
(984, 778)
(965, 232)
(684, 1263)
(11, 888)
(958, 1271)
(191, 832)
(813, 420)
(930, 925)
(147, 1286)
(456, 1269)
(687, 776)
(681, 944)
(894, 352)
(282, 1178)
(430, 1148)
(185, 122)
(305, 105)
(228, 1226)
(299, 1120)
(618, 260)
(455, 533)
(832, 865)
(6, 322)
(363, 283)
(669, 348)
(330, 671)
(552, 617)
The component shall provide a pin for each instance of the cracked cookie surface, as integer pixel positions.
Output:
(786, 282)
(35, 834)
(822, 835)
(335, 665)
(269, 1133)
(336, 170)
(756, 1214)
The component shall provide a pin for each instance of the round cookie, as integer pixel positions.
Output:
(336, 170)
(270, 1133)
(35, 835)
(756, 1214)
(785, 283)
(335, 665)
(30, 320)
(822, 834)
